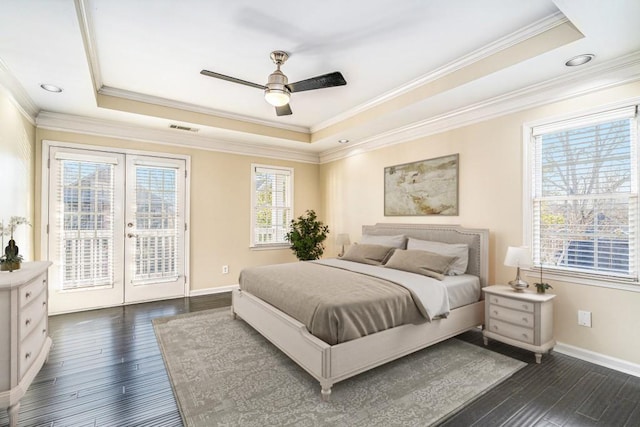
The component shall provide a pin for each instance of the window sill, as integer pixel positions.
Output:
(272, 247)
(612, 283)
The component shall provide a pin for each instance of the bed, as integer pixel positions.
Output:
(333, 360)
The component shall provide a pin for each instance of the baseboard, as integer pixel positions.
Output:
(599, 359)
(210, 291)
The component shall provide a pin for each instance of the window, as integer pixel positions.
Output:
(272, 205)
(584, 196)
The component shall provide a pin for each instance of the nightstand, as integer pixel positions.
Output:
(522, 319)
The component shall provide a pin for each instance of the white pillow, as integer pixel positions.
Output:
(398, 241)
(459, 250)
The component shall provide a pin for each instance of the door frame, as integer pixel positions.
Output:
(44, 196)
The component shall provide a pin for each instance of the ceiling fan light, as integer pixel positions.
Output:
(276, 97)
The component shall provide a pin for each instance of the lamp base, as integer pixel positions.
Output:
(518, 285)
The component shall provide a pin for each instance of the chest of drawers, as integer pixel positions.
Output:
(523, 319)
(24, 338)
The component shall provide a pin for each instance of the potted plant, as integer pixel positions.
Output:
(11, 259)
(542, 286)
(306, 236)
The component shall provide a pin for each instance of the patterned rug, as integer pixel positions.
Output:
(224, 373)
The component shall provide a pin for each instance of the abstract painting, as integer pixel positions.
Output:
(426, 187)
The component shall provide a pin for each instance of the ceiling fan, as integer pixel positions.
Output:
(278, 90)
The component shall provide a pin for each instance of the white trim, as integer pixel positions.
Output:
(88, 38)
(17, 95)
(599, 359)
(113, 129)
(170, 103)
(622, 70)
(519, 36)
(214, 290)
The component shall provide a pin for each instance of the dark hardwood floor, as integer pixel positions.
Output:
(105, 369)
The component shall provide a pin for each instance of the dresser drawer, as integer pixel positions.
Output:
(30, 347)
(508, 330)
(31, 315)
(512, 316)
(30, 291)
(511, 303)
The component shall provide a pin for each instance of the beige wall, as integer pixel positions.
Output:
(17, 157)
(490, 196)
(220, 206)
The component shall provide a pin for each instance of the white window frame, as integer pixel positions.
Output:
(276, 169)
(549, 125)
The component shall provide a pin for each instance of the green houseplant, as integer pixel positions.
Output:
(11, 259)
(306, 236)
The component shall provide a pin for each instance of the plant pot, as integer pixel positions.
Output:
(10, 266)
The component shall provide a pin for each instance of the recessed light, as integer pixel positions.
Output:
(51, 88)
(343, 141)
(579, 60)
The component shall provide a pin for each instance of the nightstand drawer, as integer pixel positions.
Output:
(30, 347)
(511, 303)
(511, 331)
(30, 316)
(512, 316)
(29, 292)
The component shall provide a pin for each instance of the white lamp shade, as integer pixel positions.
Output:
(518, 256)
(343, 239)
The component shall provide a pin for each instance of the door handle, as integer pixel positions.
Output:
(130, 235)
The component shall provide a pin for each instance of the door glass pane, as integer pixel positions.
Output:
(85, 196)
(156, 224)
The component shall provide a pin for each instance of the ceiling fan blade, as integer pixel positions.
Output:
(318, 82)
(284, 110)
(231, 79)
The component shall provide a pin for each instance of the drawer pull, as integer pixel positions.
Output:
(44, 303)
(28, 355)
(495, 327)
(525, 320)
(44, 330)
(525, 306)
(525, 336)
(495, 312)
(27, 295)
(27, 322)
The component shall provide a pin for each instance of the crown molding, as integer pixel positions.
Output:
(525, 33)
(625, 69)
(17, 95)
(112, 129)
(149, 99)
(88, 38)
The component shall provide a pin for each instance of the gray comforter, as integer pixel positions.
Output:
(341, 300)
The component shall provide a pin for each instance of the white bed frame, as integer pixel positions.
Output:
(330, 364)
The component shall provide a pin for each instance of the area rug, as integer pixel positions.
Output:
(224, 373)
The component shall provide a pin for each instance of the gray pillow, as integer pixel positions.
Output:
(398, 241)
(458, 250)
(368, 254)
(421, 262)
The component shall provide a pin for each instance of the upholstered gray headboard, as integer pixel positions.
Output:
(477, 239)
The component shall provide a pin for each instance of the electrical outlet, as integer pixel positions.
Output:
(584, 318)
(225, 269)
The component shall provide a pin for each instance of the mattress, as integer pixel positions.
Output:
(340, 300)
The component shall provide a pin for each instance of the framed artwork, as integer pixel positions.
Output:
(425, 187)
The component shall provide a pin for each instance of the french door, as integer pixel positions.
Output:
(116, 228)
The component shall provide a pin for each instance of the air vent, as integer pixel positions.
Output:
(187, 128)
